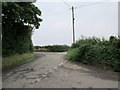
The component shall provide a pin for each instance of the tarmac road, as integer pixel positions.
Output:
(51, 70)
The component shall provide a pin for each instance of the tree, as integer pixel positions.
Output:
(18, 21)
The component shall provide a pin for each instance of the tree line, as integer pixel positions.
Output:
(18, 21)
(51, 48)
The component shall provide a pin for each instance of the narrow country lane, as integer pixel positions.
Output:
(51, 70)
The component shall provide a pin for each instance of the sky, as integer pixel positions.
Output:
(94, 19)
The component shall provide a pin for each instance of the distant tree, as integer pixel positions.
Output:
(18, 21)
(37, 47)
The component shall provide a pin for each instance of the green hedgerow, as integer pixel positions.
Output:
(105, 53)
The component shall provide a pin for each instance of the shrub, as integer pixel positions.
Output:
(97, 52)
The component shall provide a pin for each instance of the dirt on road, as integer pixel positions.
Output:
(51, 70)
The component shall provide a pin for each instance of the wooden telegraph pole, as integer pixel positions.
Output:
(73, 24)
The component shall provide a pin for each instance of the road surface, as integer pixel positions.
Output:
(51, 70)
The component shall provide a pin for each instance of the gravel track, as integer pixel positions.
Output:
(51, 70)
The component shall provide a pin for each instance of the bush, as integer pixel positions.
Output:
(97, 52)
(86, 54)
(85, 40)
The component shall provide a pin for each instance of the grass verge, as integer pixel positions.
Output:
(71, 54)
(17, 59)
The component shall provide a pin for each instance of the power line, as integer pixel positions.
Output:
(58, 13)
(89, 4)
(66, 3)
(73, 18)
(71, 8)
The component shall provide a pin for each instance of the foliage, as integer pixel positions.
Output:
(98, 52)
(18, 21)
(71, 54)
(16, 59)
(20, 12)
(85, 40)
(53, 48)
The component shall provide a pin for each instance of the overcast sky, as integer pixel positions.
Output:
(98, 19)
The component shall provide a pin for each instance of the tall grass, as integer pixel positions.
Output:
(71, 54)
(17, 59)
(93, 51)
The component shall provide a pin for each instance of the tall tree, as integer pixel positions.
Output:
(18, 21)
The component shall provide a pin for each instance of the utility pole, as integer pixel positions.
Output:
(118, 18)
(73, 24)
